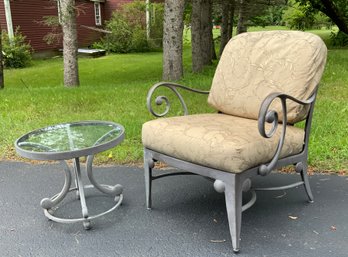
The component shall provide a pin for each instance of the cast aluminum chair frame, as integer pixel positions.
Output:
(234, 184)
(265, 83)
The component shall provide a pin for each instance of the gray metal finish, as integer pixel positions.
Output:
(163, 99)
(39, 151)
(234, 184)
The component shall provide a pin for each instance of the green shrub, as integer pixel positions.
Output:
(120, 38)
(139, 40)
(16, 52)
(298, 17)
(338, 38)
(128, 29)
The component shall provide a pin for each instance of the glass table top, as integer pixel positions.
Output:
(69, 140)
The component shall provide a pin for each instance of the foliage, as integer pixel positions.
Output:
(128, 29)
(272, 16)
(120, 38)
(338, 38)
(56, 34)
(156, 25)
(298, 16)
(16, 52)
(337, 10)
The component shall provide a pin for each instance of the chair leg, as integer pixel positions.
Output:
(303, 167)
(148, 165)
(233, 198)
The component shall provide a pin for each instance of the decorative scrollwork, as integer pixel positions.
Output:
(163, 99)
(271, 116)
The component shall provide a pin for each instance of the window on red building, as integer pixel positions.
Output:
(97, 14)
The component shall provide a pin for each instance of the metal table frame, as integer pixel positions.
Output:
(49, 204)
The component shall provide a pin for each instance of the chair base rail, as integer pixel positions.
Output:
(172, 174)
(296, 184)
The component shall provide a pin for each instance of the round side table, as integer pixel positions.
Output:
(67, 141)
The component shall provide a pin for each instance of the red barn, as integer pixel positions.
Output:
(28, 15)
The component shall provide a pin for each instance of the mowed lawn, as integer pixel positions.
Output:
(114, 88)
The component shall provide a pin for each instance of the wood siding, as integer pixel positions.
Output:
(28, 15)
(2, 16)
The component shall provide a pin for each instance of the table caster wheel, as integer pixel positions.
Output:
(87, 225)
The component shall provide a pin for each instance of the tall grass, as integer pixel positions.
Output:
(114, 88)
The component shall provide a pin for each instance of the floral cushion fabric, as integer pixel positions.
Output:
(219, 141)
(255, 64)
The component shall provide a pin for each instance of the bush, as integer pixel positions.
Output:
(298, 17)
(339, 38)
(120, 38)
(16, 53)
(128, 29)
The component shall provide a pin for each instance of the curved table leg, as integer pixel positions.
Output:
(77, 169)
(48, 203)
(115, 190)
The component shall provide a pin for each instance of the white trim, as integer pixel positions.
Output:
(147, 19)
(8, 19)
(59, 12)
(97, 13)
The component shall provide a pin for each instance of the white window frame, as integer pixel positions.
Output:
(59, 12)
(97, 14)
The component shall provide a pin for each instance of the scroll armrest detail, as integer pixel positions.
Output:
(163, 99)
(271, 116)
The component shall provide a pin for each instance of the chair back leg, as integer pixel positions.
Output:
(302, 168)
(148, 165)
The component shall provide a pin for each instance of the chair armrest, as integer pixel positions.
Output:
(271, 116)
(163, 99)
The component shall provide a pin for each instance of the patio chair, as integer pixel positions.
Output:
(264, 84)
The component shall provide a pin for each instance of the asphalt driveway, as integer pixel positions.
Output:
(188, 218)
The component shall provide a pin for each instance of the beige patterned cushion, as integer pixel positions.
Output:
(218, 141)
(256, 64)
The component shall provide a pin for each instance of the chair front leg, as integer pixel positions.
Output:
(233, 196)
(148, 165)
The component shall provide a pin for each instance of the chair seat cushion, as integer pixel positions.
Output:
(218, 141)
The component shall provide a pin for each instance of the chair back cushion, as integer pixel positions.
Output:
(255, 64)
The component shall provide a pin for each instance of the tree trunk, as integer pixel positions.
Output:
(207, 31)
(68, 19)
(197, 59)
(224, 30)
(335, 14)
(241, 27)
(1, 65)
(172, 39)
(232, 8)
(213, 52)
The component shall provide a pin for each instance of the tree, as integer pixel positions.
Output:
(1, 65)
(227, 8)
(68, 22)
(337, 10)
(173, 39)
(243, 16)
(197, 57)
(201, 34)
(207, 31)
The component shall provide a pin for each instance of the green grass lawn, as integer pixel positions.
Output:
(114, 88)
